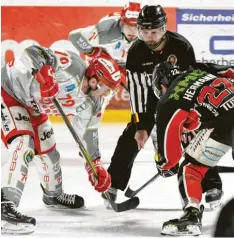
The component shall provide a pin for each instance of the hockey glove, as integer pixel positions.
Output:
(160, 161)
(98, 52)
(48, 85)
(187, 137)
(229, 73)
(102, 182)
(167, 173)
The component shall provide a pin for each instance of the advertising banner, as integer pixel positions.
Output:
(211, 32)
(50, 26)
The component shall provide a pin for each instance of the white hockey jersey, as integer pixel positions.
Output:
(85, 110)
(107, 34)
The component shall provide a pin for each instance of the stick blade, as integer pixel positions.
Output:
(129, 192)
(129, 204)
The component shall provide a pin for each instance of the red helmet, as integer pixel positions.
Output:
(130, 13)
(106, 70)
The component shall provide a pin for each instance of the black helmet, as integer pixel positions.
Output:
(151, 17)
(164, 73)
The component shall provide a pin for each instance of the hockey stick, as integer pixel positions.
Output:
(130, 193)
(117, 207)
(225, 169)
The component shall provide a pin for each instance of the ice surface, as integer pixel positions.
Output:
(160, 201)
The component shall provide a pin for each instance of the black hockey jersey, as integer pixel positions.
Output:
(195, 100)
(140, 64)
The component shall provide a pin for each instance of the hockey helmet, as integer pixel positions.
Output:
(129, 13)
(151, 17)
(106, 70)
(163, 74)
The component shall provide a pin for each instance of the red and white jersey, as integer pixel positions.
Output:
(107, 34)
(18, 81)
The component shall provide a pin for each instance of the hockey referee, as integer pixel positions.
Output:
(155, 45)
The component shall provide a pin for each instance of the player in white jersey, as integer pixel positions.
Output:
(113, 34)
(29, 84)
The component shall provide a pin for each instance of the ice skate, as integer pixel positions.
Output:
(188, 225)
(13, 222)
(64, 200)
(213, 198)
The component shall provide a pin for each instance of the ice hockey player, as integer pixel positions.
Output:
(113, 34)
(29, 84)
(195, 98)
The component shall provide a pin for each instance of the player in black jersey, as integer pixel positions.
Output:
(155, 44)
(193, 99)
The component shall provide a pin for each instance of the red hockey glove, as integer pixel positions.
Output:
(103, 181)
(229, 73)
(48, 85)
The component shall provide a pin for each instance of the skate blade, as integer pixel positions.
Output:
(8, 228)
(61, 207)
(190, 230)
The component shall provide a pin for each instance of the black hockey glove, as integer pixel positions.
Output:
(163, 172)
(168, 173)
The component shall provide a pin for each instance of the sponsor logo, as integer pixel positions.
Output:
(204, 18)
(221, 60)
(56, 167)
(183, 84)
(5, 120)
(189, 16)
(131, 14)
(107, 64)
(83, 44)
(226, 44)
(212, 153)
(28, 156)
(117, 46)
(47, 135)
(147, 63)
(22, 118)
(198, 140)
(35, 106)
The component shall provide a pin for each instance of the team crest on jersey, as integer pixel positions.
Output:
(172, 59)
